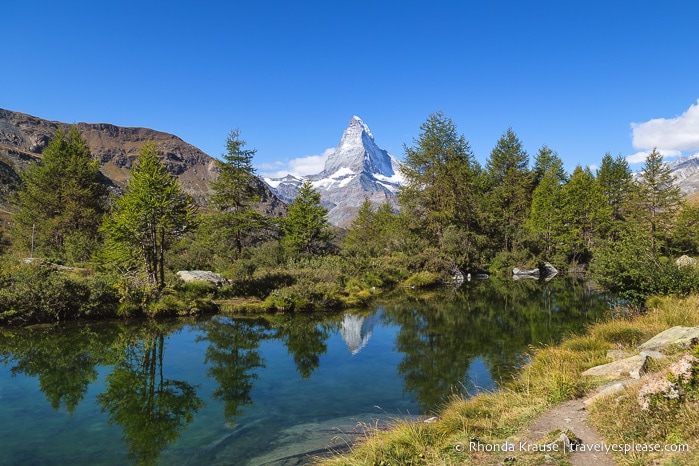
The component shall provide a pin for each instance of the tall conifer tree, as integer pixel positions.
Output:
(656, 199)
(235, 193)
(62, 200)
(509, 190)
(306, 228)
(440, 172)
(545, 218)
(153, 213)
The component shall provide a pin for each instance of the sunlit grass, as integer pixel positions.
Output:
(552, 376)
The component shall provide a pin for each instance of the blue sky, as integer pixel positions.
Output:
(584, 78)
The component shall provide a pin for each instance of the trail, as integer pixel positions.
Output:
(572, 416)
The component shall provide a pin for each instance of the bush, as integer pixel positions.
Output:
(36, 292)
(631, 269)
(423, 280)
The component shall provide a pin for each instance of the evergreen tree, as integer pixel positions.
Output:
(583, 213)
(62, 199)
(545, 218)
(440, 177)
(615, 178)
(235, 193)
(547, 161)
(153, 213)
(362, 235)
(684, 235)
(656, 199)
(509, 183)
(306, 229)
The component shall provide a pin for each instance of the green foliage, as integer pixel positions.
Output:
(235, 192)
(585, 212)
(509, 188)
(630, 268)
(684, 237)
(152, 214)
(656, 200)
(61, 201)
(546, 220)
(616, 181)
(306, 229)
(37, 292)
(439, 171)
(423, 279)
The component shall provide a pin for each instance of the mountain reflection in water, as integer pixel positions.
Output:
(356, 329)
(254, 390)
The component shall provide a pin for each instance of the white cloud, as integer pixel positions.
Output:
(640, 157)
(674, 134)
(302, 166)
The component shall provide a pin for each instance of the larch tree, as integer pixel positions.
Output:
(151, 215)
(584, 212)
(62, 200)
(362, 235)
(656, 199)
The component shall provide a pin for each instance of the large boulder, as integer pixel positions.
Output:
(675, 336)
(189, 276)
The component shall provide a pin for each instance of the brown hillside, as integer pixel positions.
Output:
(24, 137)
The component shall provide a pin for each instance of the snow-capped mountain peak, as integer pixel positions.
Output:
(357, 169)
(358, 151)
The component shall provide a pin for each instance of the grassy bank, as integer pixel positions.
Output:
(552, 376)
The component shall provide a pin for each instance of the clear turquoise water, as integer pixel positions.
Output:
(266, 391)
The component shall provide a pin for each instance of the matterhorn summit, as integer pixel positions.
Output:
(357, 169)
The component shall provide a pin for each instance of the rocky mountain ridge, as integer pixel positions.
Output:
(24, 137)
(686, 173)
(357, 169)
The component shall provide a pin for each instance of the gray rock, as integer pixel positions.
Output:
(633, 367)
(653, 354)
(679, 335)
(606, 391)
(549, 269)
(189, 276)
(616, 355)
(685, 261)
(526, 272)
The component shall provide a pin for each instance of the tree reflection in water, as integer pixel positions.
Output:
(233, 356)
(495, 322)
(151, 409)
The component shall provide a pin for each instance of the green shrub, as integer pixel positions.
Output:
(36, 292)
(423, 279)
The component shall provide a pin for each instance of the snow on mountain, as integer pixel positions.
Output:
(357, 169)
(686, 173)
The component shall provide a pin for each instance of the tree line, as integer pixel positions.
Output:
(454, 215)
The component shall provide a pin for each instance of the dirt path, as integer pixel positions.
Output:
(572, 416)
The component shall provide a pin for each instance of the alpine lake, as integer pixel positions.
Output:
(278, 389)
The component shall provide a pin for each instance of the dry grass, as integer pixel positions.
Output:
(552, 376)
